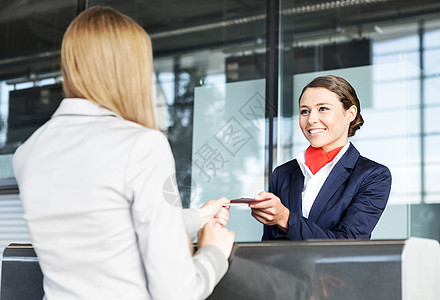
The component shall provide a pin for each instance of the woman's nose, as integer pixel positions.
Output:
(313, 117)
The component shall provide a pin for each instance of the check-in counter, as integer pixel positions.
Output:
(21, 276)
(333, 269)
(312, 270)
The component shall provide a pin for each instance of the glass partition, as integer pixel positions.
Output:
(229, 149)
(209, 64)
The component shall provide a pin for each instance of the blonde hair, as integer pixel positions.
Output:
(106, 57)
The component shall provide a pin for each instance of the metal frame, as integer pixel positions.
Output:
(81, 5)
(272, 75)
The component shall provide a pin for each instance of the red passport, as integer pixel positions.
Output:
(244, 201)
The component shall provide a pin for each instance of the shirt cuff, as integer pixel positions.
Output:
(192, 221)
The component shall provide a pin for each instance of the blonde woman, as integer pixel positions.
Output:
(91, 180)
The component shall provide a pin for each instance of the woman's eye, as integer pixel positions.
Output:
(323, 108)
(304, 112)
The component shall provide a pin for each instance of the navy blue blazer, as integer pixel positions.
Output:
(348, 206)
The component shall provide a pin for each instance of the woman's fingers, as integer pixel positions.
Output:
(263, 217)
(215, 234)
(214, 209)
(223, 216)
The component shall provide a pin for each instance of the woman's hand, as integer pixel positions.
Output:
(271, 211)
(217, 210)
(216, 235)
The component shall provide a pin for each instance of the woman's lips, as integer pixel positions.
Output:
(316, 131)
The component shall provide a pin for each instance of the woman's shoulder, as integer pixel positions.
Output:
(138, 131)
(136, 139)
(147, 137)
(352, 158)
(287, 167)
(371, 164)
(372, 169)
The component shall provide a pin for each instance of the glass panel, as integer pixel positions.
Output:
(432, 168)
(430, 122)
(209, 68)
(228, 148)
(432, 90)
(432, 38)
(355, 40)
(432, 57)
(30, 87)
(396, 46)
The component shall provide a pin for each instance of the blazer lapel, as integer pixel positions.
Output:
(295, 192)
(341, 171)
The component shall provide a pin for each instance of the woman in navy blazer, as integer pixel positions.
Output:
(346, 198)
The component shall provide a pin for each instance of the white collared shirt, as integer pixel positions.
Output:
(313, 183)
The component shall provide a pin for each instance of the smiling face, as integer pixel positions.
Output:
(323, 119)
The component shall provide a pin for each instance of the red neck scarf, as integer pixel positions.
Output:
(316, 158)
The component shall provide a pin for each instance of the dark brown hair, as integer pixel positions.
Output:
(346, 94)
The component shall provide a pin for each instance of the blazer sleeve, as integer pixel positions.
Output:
(172, 271)
(358, 220)
(367, 206)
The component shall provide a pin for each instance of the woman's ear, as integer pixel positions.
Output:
(351, 113)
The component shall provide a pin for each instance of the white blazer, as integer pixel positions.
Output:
(92, 187)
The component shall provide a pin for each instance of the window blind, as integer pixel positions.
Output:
(13, 228)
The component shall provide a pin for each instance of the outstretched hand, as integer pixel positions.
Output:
(270, 211)
(216, 210)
